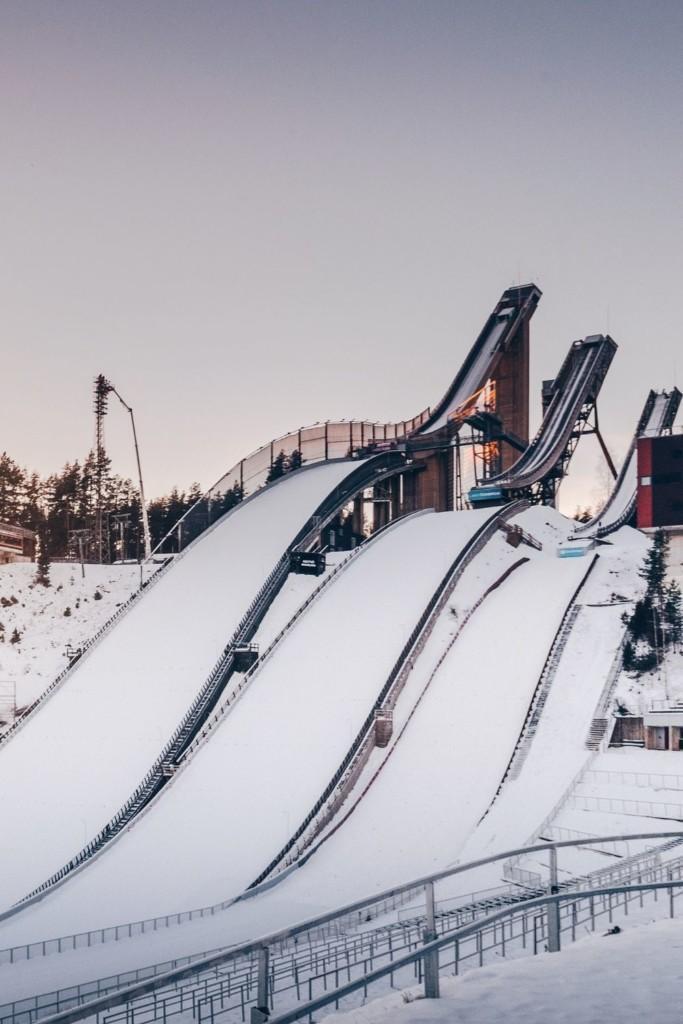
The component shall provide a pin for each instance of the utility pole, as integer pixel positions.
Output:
(80, 537)
(143, 506)
(102, 389)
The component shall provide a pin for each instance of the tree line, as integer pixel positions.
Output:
(63, 505)
(62, 508)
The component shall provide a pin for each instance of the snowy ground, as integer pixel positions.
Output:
(638, 692)
(49, 618)
(629, 978)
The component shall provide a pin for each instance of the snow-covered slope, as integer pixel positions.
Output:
(74, 763)
(241, 796)
(50, 618)
(445, 769)
(558, 751)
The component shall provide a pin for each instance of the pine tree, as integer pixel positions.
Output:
(653, 569)
(673, 612)
(278, 467)
(12, 482)
(43, 567)
(295, 461)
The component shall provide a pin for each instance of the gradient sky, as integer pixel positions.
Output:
(252, 216)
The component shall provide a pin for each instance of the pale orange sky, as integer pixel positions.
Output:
(252, 216)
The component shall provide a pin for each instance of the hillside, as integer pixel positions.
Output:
(48, 619)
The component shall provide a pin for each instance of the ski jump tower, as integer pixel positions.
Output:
(490, 395)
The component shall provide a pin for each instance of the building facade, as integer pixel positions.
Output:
(16, 544)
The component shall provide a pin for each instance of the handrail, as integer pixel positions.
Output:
(370, 470)
(397, 674)
(351, 437)
(129, 993)
(447, 938)
(646, 862)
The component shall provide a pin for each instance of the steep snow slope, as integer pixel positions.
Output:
(249, 786)
(460, 787)
(558, 751)
(72, 765)
(445, 769)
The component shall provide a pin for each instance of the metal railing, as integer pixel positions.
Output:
(640, 780)
(532, 923)
(321, 442)
(623, 805)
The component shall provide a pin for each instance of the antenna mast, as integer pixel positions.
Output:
(102, 389)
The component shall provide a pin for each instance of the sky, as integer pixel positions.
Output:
(252, 216)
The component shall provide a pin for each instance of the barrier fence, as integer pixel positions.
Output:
(225, 985)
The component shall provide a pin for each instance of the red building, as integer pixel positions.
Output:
(660, 481)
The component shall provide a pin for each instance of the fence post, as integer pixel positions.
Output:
(431, 960)
(553, 908)
(260, 1012)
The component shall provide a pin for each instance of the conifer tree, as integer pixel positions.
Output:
(278, 467)
(673, 612)
(295, 460)
(43, 566)
(653, 569)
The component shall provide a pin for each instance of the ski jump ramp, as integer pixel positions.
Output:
(244, 790)
(72, 765)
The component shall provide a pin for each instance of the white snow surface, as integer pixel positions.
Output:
(75, 762)
(460, 788)
(629, 978)
(444, 771)
(41, 616)
(244, 792)
(558, 751)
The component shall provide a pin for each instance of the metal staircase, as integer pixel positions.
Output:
(596, 733)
